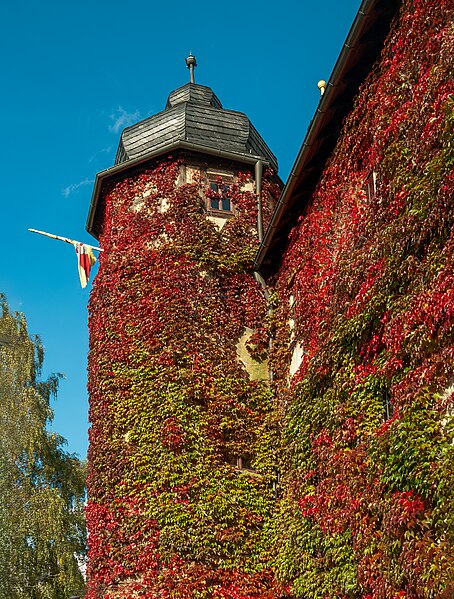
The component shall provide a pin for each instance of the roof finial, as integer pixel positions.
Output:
(321, 86)
(191, 63)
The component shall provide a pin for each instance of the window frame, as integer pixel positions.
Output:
(224, 181)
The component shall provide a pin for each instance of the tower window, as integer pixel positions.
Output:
(220, 197)
(219, 192)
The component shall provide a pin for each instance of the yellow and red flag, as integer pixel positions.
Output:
(85, 256)
(85, 260)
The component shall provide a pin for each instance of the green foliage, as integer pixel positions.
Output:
(41, 486)
(172, 408)
(367, 420)
(365, 453)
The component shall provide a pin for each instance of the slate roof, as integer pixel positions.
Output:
(194, 114)
(193, 121)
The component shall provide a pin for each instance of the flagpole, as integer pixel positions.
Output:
(65, 239)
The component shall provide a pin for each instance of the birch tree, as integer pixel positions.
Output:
(41, 486)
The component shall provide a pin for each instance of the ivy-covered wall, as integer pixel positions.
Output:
(172, 511)
(367, 290)
(184, 444)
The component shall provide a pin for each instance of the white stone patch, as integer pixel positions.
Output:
(151, 188)
(138, 202)
(258, 371)
(163, 205)
(298, 350)
(297, 357)
(291, 320)
(159, 241)
(218, 222)
(449, 414)
(186, 174)
(248, 186)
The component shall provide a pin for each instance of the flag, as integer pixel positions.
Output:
(85, 260)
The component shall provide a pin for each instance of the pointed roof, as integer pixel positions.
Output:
(193, 120)
(194, 114)
(195, 94)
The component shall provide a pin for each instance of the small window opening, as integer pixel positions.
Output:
(220, 198)
(244, 462)
(276, 482)
(387, 406)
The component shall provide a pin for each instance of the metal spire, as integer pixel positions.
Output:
(191, 63)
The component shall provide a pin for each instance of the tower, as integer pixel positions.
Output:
(181, 458)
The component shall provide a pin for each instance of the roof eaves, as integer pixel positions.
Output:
(322, 117)
(115, 170)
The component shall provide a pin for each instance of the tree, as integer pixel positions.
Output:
(42, 487)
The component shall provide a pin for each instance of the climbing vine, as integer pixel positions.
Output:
(367, 286)
(181, 468)
(182, 447)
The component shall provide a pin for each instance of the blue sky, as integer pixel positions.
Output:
(75, 74)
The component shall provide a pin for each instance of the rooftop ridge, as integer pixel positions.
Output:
(193, 93)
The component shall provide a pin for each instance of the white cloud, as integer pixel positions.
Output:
(107, 150)
(74, 187)
(121, 118)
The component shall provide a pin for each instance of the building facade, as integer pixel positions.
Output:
(332, 476)
(360, 259)
(181, 467)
